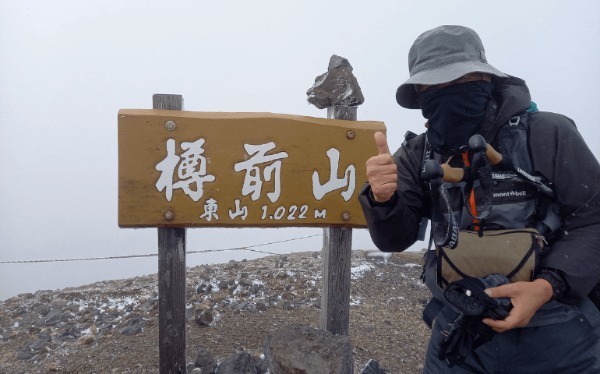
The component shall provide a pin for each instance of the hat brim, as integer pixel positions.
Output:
(406, 95)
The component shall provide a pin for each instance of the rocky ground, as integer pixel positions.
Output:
(112, 326)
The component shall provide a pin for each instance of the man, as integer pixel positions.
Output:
(552, 325)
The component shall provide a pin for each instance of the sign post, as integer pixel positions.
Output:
(339, 92)
(171, 279)
(337, 261)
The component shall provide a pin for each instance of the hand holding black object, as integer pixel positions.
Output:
(468, 297)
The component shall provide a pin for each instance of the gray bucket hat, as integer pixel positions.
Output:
(442, 55)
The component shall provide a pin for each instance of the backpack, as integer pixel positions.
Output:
(496, 220)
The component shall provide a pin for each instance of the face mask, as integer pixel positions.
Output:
(454, 114)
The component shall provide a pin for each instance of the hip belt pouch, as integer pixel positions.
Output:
(513, 253)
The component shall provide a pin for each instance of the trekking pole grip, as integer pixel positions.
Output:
(493, 155)
(452, 175)
(477, 143)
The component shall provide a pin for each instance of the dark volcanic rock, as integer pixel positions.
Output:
(304, 350)
(240, 363)
(372, 367)
(205, 361)
(338, 86)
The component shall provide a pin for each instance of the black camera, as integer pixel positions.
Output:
(468, 297)
(465, 331)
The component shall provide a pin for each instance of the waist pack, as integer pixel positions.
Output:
(513, 253)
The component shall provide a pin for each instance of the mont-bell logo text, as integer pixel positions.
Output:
(510, 194)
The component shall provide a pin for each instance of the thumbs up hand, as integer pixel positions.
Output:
(382, 171)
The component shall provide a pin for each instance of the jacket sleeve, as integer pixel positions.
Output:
(394, 225)
(561, 155)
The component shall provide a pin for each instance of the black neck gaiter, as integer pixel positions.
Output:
(454, 114)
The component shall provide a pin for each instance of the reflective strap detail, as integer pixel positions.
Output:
(472, 202)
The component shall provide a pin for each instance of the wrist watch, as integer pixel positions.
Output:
(556, 281)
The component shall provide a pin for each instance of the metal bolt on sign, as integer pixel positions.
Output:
(169, 215)
(170, 125)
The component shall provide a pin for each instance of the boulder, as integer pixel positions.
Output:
(338, 86)
(301, 349)
(205, 361)
(239, 363)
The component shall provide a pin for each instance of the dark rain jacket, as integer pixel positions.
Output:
(559, 155)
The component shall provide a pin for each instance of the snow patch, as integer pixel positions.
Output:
(355, 301)
(385, 256)
(359, 271)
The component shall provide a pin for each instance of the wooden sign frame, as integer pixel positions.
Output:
(197, 169)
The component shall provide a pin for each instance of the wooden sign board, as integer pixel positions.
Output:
(196, 169)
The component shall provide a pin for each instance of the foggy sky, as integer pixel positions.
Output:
(67, 67)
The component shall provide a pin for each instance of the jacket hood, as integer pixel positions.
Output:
(511, 97)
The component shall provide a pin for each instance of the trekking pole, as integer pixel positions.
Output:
(505, 162)
(444, 225)
(476, 144)
(495, 158)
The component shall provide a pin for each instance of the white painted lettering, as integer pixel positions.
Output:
(252, 180)
(191, 170)
(320, 214)
(335, 183)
